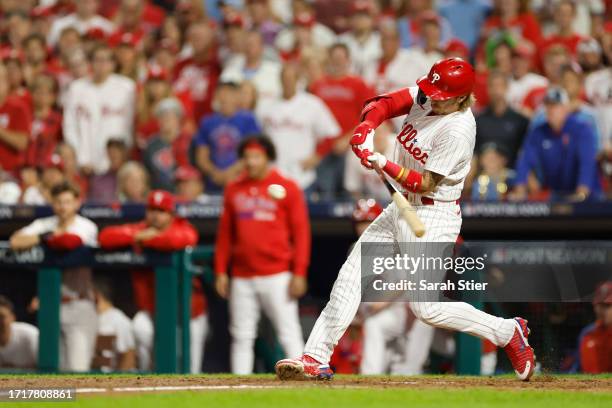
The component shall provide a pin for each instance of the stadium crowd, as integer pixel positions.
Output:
(132, 100)
(123, 96)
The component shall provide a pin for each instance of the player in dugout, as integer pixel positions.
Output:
(265, 235)
(161, 230)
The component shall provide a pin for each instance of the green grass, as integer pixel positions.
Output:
(339, 398)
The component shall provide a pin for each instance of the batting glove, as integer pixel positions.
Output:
(377, 159)
(362, 142)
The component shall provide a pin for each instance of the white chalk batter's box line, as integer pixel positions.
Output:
(206, 388)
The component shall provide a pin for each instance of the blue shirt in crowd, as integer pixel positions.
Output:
(585, 113)
(561, 161)
(466, 17)
(222, 135)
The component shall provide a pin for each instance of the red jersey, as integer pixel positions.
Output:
(570, 43)
(345, 98)
(264, 229)
(14, 116)
(177, 236)
(46, 134)
(200, 81)
(596, 350)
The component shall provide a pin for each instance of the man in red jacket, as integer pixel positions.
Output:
(264, 234)
(161, 230)
(66, 230)
(595, 341)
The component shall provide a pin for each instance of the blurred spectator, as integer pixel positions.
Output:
(198, 73)
(556, 152)
(523, 80)
(84, 18)
(465, 18)
(589, 55)
(564, 15)
(410, 20)
(189, 184)
(161, 230)
(66, 231)
(248, 96)
(345, 96)
(139, 17)
(253, 67)
(130, 60)
(18, 340)
(133, 183)
(17, 86)
(170, 148)
(598, 89)
(362, 39)
(70, 168)
(305, 32)
(17, 25)
(261, 18)
(555, 58)
(397, 68)
(263, 241)
(572, 82)
(47, 124)
(296, 124)
(429, 48)
(499, 123)
(52, 174)
(363, 183)
(10, 192)
(595, 340)
(493, 174)
(233, 38)
(35, 58)
(98, 108)
(512, 16)
(587, 14)
(219, 135)
(156, 88)
(15, 127)
(115, 344)
(103, 188)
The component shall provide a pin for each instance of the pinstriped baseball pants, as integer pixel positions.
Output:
(443, 223)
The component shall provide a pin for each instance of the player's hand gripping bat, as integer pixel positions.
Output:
(407, 211)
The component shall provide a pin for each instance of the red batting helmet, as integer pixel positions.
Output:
(448, 78)
(366, 210)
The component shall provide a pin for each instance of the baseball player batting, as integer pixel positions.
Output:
(430, 162)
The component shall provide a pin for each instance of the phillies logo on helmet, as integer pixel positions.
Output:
(435, 77)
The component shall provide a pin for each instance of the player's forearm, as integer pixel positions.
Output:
(411, 180)
(387, 106)
(20, 242)
(16, 140)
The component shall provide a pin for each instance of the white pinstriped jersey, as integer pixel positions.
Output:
(442, 144)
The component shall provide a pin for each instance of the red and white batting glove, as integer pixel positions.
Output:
(377, 159)
(362, 142)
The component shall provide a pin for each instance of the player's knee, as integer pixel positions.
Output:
(428, 312)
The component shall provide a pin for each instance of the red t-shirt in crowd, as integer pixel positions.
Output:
(46, 134)
(177, 236)
(14, 116)
(526, 25)
(570, 43)
(596, 350)
(200, 81)
(264, 229)
(345, 98)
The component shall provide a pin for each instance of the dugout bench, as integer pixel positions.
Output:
(173, 274)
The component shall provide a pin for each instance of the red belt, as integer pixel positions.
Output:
(431, 201)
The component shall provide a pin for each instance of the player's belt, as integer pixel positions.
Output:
(431, 201)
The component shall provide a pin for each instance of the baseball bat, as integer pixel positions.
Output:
(407, 212)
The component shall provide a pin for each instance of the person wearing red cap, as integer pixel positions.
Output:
(432, 157)
(595, 340)
(51, 174)
(65, 231)
(84, 18)
(15, 127)
(263, 241)
(189, 184)
(161, 230)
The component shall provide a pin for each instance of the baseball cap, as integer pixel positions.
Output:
(161, 200)
(156, 72)
(366, 210)
(523, 49)
(304, 20)
(54, 162)
(556, 95)
(430, 16)
(233, 20)
(361, 6)
(588, 45)
(187, 173)
(457, 46)
(603, 294)
(500, 149)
